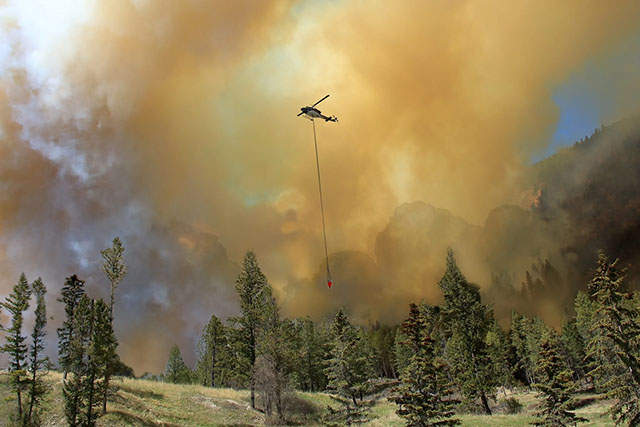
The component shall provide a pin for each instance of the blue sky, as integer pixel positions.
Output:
(597, 94)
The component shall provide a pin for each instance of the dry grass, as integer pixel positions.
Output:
(148, 403)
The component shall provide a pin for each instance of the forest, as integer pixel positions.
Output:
(442, 361)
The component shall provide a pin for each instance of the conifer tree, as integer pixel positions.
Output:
(499, 354)
(617, 318)
(176, 371)
(72, 291)
(424, 395)
(467, 322)
(38, 362)
(348, 371)
(91, 344)
(212, 349)
(75, 385)
(312, 351)
(275, 356)
(555, 385)
(16, 304)
(115, 269)
(102, 352)
(382, 339)
(402, 351)
(575, 348)
(255, 294)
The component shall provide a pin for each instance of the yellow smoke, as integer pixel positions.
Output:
(185, 111)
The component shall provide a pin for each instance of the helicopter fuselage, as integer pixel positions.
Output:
(314, 113)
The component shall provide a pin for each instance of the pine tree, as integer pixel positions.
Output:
(575, 348)
(16, 304)
(402, 351)
(255, 293)
(275, 357)
(75, 385)
(176, 371)
(423, 397)
(499, 354)
(348, 371)
(555, 385)
(102, 351)
(72, 291)
(91, 388)
(617, 319)
(115, 269)
(38, 362)
(382, 339)
(311, 339)
(212, 349)
(468, 322)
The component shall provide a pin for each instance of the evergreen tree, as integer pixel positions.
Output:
(311, 348)
(423, 397)
(275, 356)
(102, 352)
(255, 293)
(76, 384)
(91, 344)
(212, 349)
(236, 370)
(525, 336)
(176, 371)
(348, 371)
(499, 354)
(115, 269)
(402, 352)
(554, 384)
(38, 362)
(617, 318)
(16, 304)
(574, 347)
(468, 322)
(72, 291)
(382, 339)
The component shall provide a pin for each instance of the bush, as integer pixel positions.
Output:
(511, 405)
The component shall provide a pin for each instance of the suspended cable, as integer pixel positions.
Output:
(324, 231)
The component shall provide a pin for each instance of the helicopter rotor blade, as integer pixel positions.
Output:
(320, 101)
(300, 113)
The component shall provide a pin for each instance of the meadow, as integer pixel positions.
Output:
(148, 403)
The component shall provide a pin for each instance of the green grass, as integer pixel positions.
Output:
(148, 403)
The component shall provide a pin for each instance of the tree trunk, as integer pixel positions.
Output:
(253, 396)
(106, 392)
(18, 391)
(33, 386)
(213, 366)
(485, 403)
(252, 358)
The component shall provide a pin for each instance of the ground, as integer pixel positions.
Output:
(148, 403)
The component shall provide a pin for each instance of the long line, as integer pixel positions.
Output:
(324, 231)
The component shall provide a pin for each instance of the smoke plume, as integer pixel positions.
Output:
(172, 125)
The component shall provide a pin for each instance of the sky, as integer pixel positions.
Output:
(173, 126)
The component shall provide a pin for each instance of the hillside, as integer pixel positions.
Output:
(593, 189)
(148, 403)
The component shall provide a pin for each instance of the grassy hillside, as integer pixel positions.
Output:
(147, 403)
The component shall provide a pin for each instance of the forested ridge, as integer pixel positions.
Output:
(442, 361)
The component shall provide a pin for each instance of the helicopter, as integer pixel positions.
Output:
(313, 113)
